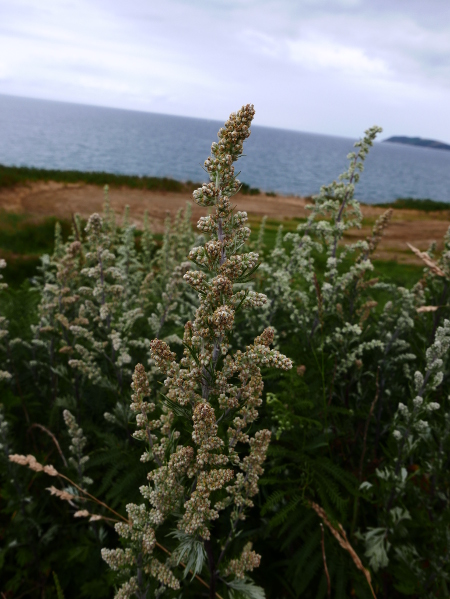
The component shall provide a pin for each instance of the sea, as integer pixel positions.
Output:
(59, 135)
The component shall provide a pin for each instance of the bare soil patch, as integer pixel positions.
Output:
(40, 200)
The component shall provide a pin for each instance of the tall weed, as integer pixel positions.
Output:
(132, 377)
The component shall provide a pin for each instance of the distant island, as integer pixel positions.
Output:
(418, 141)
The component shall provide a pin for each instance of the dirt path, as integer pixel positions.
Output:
(40, 200)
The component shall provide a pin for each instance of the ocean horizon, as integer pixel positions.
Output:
(59, 135)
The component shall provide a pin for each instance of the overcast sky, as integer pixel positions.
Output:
(324, 66)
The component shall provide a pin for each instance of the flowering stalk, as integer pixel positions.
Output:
(78, 443)
(212, 469)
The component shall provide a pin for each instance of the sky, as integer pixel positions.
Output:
(324, 66)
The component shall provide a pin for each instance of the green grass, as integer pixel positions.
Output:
(22, 242)
(271, 229)
(19, 269)
(405, 275)
(426, 204)
(17, 175)
(21, 235)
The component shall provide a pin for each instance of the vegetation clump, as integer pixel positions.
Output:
(142, 455)
(20, 175)
(426, 204)
(248, 190)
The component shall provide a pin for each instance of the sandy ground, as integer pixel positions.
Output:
(39, 200)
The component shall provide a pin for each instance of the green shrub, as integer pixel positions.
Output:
(426, 205)
(247, 190)
(355, 497)
(20, 175)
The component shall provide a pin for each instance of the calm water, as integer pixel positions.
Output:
(69, 136)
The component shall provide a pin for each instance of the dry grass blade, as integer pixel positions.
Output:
(340, 535)
(427, 309)
(428, 261)
(33, 464)
(64, 495)
(325, 567)
(378, 231)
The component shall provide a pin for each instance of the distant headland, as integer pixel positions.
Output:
(418, 141)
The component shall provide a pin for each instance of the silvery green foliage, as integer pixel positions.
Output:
(96, 291)
(165, 284)
(191, 551)
(369, 411)
(78, 444)
(435, 356)
(331, 307)
(421, 433)
(277, 272)
(245, 588)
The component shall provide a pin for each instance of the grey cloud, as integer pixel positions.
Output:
(331, 66)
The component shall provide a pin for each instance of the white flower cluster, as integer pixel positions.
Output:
(219, 398)
(247, 561)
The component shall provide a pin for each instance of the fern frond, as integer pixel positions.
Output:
(293, 528)
(126, 485)
(272, 501)
(345, 478)
(329, 494)
(283, 514)
(307, 562)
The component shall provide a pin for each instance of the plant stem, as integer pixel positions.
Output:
(211, 567)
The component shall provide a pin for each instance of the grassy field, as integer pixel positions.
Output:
(23, 240)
